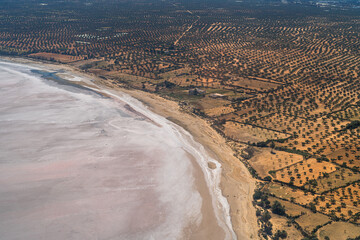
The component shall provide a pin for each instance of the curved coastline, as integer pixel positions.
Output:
(231, 181)
(212, 176)
(236, 183)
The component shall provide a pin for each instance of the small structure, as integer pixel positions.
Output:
(196, 91)
(217, 95)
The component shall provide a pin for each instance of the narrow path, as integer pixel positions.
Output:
(188, 29)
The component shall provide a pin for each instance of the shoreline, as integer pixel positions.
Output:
(237, 185)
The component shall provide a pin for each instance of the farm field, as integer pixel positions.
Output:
(279, 80)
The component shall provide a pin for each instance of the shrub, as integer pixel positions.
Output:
(267, 178)
(280, 234)
(277, 208)
(257, 194)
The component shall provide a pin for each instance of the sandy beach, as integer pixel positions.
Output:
(237, 185)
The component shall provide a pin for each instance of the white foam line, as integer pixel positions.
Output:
(213, 176)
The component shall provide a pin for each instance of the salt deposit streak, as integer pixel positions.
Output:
(213, 176)
(77, 166)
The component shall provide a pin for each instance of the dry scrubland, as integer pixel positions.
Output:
(286, 75)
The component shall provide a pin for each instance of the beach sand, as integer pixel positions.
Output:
(237, 185)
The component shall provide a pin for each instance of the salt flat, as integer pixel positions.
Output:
(76, 165)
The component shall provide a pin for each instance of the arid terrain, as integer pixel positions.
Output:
(279, 81)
